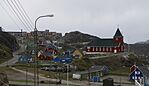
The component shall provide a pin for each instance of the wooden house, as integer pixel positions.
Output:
(140, 75)
(111, 45)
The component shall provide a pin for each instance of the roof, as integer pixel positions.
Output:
(52, 46)
(144, 70)
(103, 42)
(118, 33)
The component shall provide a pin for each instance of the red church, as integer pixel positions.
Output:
(102, 46)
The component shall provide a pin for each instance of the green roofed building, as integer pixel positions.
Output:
(111, 45)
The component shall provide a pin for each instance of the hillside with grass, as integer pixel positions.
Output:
(118, 64)
(8, 40)
(8, 44)
(77, 37)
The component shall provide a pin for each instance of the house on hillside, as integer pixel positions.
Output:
(51, 48)
(94, 73)
(77, 54)
(140, 75)
(25, 58)
(18, 34)
(102, 46)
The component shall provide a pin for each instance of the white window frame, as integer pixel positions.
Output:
(138, 72)
(93, 49)
(103, 49)
(96, 48)
(99, 48)
(107, 49)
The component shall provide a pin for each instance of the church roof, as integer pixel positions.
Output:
(118, 33)
(103, 42)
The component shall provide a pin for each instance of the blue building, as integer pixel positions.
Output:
(136, 74)
(25, 59)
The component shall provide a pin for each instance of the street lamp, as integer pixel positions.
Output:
(36, 73)
(41, 17)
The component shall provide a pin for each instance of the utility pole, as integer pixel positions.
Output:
(26, 77)
(36, 72)
(67, 74)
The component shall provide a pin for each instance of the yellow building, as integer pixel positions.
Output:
(77, 54)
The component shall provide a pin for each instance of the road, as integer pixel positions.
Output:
(97, 57)
(15, 57)
(47, 79)
(123, 80)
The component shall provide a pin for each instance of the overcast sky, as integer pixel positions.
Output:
(96, 17)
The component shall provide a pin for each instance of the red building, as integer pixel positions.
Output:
(112, 45)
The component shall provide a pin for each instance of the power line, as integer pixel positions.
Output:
(23, 14)
(16, 14)
(10, 16)
(20, 14)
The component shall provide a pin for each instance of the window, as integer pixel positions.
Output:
(138, 72)
(103, 49)
(88, 47)
(107, 49)
(99, 49)
(93, 48)
(135, 72)
(110, 49)
(133, 77)
(121, 48)
(96, 48)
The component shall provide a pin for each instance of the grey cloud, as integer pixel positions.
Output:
(98, 17)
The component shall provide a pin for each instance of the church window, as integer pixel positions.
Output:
(99, 48)
(96, 48)
(93, 49)
(103, 49)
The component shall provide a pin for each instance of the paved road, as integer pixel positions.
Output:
(15, 57)
(31, 84)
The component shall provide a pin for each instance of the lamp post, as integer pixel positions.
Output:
(36, 73)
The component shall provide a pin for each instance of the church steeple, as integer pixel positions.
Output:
(118, 33)
(118, 37)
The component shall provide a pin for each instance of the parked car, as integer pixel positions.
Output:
(45, 68)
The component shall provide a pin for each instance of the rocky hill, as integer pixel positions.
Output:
(8, 40)
(8, 44)
(140, 49)
(77, 37)
(144, 42)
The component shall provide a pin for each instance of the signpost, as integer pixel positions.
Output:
(67, 61)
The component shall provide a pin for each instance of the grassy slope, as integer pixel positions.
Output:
(5, 53)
